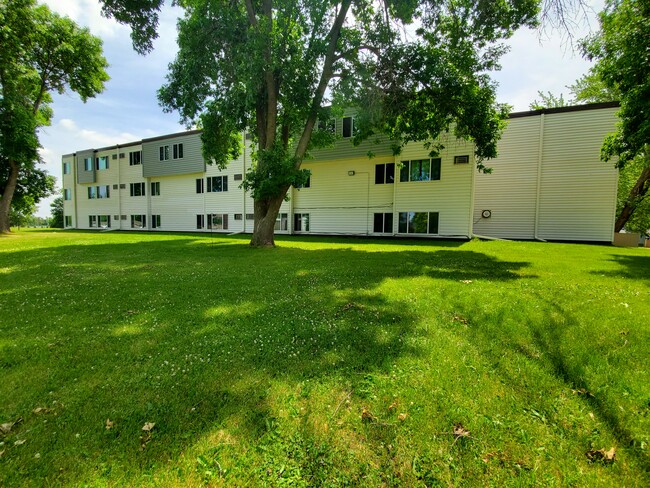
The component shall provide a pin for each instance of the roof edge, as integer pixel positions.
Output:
(560, 110)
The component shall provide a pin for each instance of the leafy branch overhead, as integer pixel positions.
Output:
(41, 53)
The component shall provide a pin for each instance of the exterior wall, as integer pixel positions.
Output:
(191, 162)
(548, 181)
(451, 196)
(68, 183)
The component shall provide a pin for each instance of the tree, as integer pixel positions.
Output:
(41, 52)
(414, 69)
(548, 100)
(57, 213)
(32, 185)
(620, 50)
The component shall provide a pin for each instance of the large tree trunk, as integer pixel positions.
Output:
(7, 197)
(637, 194)
(266, 213)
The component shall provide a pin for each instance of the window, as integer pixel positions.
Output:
(418, 222)
(123, 217)
(92, 220)
(138, 221)
(88, 164)
(155, 188)
(200, 221)
(328, 125)
(383, 223)
(281, 222)
(121, 155)
(218, 221)
(104, 191)
(92, 192)
(101, 163)
(104, 221)
(238, 216)
(461, 159)
(115, 186)
(237, 177)
(307, 183)
(155, 221)
(301, 222)
(114, 156)
(122, 186)
(164, 153)
(349, 128)
(384, 173)
(176, 150)
(116, 217)
(66, 168)
(135, 158)
(217, 183)
(250, 216)
(199, 185)
(420, 170)
(67, 194)
(137, 189)
(67, 221)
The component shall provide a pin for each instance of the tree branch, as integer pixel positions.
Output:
(251, 12)
(326, 75)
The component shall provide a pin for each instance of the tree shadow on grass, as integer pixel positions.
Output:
(554, 341)
(195, 338)
(633, 267)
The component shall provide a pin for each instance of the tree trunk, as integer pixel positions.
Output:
(266, 213)
(637, 194)
(7, 196)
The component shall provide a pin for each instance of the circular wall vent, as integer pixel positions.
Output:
(486, 214)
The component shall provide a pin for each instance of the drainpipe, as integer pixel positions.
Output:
(471, 201)
(540, 154)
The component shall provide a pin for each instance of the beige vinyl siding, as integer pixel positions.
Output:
(191, 162)
(577, 191)
(129, 205)
(450, 196)
(509, 191)
(339, 203)
(178, 203)
(343, 148)
(69, 182)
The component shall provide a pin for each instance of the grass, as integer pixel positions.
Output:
(334, 362)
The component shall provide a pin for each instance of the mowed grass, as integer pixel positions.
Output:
(324, 362)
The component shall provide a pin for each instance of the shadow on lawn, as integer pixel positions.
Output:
(192, 337)
(553, 341)
(633, 267)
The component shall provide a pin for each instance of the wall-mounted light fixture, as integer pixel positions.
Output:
(351, 173)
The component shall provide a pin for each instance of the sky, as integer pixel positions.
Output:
(128, 109)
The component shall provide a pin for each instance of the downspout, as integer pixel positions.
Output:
(119, 193)
(395, 180)
(244, 192)
(540, 154)
(471, 201)
(74, 190)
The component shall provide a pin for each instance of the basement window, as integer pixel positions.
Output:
(418, 222)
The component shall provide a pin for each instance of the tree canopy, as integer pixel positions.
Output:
(413, 69)
(41, 52)
(621, 50)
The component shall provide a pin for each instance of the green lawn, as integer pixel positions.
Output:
(322, 362)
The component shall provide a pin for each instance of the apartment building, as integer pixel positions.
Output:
(547, 183)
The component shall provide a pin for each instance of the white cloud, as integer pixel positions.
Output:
(87, 13)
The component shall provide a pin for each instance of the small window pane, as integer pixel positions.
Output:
(347, 127)
(388, 223)
(419, 222)
(435, 168)
(379, 223)
(380, 169)
(434, 218)
(390, 173)
(404, 172)
(403, 222)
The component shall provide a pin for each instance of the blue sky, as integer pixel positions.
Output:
(128, 109)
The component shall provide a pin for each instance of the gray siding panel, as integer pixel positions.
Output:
(84, 176)
(191, 162)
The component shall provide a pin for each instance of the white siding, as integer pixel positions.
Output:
(450, 196)
(577, 191)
